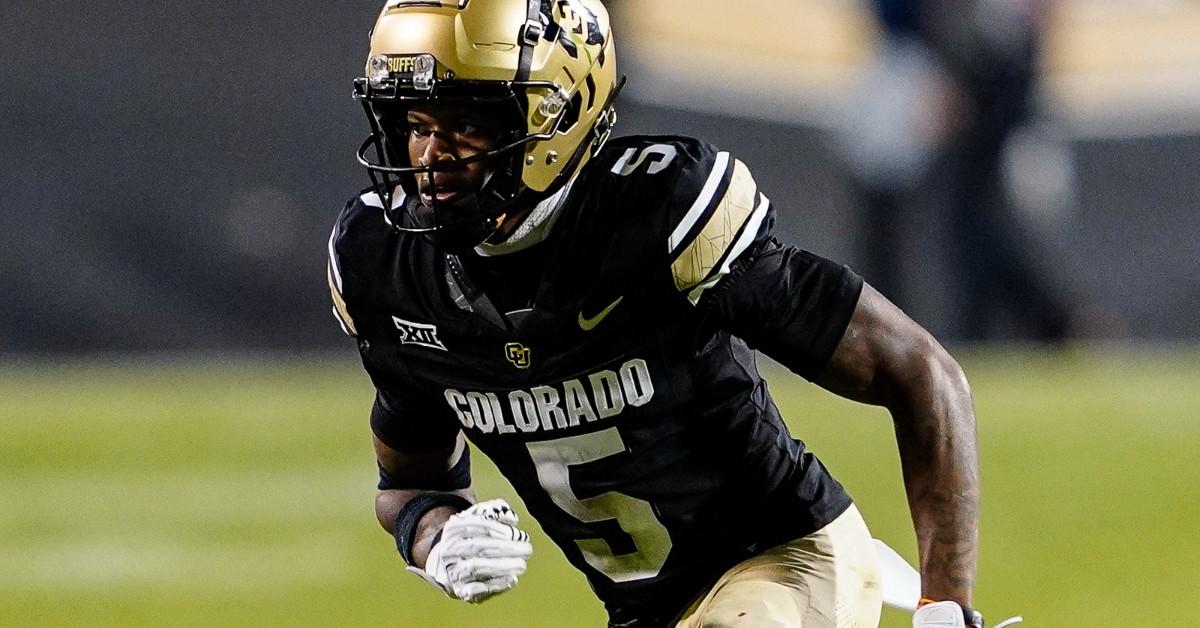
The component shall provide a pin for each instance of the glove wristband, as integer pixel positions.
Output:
(971, 617)
(405, 524)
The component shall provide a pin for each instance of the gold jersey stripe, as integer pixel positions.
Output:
(706, 250)
(339, 304)
(702, 204)
(749, 233)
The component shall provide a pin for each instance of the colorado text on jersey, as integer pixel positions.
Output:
(600, 395)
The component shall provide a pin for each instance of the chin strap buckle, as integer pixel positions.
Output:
(603, 129)
(532, 33)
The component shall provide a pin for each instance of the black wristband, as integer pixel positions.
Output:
(405, 525)
(972, 617)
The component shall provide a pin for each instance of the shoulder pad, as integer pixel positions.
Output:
(711, 208)
(717, 214)
(715, 210)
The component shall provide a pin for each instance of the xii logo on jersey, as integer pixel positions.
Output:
(419, 334)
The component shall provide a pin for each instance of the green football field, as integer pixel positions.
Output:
(206, 493)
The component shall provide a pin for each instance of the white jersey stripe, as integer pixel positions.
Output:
(333, 262)
(743, 242)
(339, 305)
(702, 202)
(337, 315)
(749, 233)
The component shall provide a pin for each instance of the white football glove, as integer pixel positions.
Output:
(481, 553)
(949, 614)
(939, 615)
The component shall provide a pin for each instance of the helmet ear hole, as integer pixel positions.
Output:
(591, 92)
(571, 115)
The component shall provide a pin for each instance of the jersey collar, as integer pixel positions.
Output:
(534, 229)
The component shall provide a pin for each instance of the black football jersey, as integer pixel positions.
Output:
(621, 400)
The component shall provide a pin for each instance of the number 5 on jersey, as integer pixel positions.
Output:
(636, 517)
(659, 155)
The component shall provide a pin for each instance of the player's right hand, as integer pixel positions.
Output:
(481, 553)
(949, 614)
(945, 614)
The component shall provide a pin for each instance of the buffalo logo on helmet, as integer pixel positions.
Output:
(572, 23)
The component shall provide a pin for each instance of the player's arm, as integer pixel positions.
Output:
(424, 499)
(405, 476)
(884, 358)
(470, 551)
(818, 318)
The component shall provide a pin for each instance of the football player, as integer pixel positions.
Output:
(584, 310)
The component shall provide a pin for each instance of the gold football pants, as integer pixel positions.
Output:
(827, 579)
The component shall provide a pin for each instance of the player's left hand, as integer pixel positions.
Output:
(481, 553)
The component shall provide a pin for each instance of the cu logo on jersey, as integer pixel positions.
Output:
(419, 334)
(518, 354)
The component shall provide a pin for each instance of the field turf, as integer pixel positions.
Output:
(238, 493)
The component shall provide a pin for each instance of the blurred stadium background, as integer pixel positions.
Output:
(183, 436)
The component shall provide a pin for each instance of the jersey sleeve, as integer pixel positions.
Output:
(333, 272)
(356, 248)
(715, 214)
(407, 415)
(404, 416)
(410, 424)
(789, 303)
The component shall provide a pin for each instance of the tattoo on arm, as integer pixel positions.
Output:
(886, 359)
(941, 476)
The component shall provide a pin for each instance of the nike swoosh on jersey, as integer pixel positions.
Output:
(588, 324)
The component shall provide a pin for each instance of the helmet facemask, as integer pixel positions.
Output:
(470, 217)
(468, 220)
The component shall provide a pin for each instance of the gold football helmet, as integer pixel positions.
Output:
(545, 67)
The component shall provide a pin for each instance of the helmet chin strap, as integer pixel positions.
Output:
(463, 234)
(476, 216)
(476, 225)
(530, 228)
